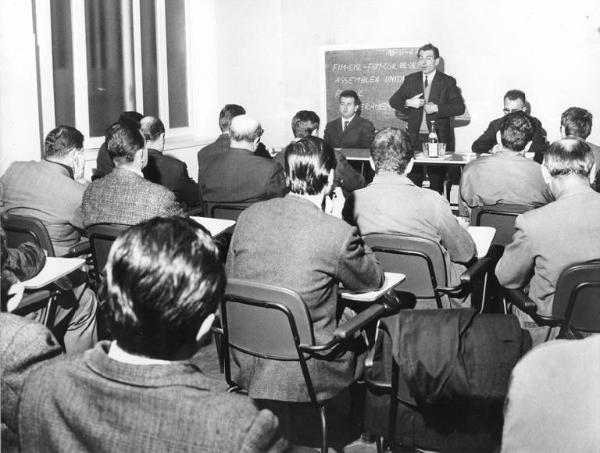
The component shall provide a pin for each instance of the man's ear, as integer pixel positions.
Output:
(563, 132)
(409, 167)
(499, 138)
(527, 146)
(593, 173)
(371, 163)
(205, 327)
(546, 175)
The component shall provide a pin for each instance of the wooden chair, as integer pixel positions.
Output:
(576, 303)
(273, 323)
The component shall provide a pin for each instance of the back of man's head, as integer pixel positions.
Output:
(163, 279)
(227, 113)
(123, 141)
(516, 131)
(61, 140)
(513, 95)
(308, 163)
(244, 131)
(151, 128)
(391, 151)
(577, 122)
(131, 116)
(304, 123)
(569, 156)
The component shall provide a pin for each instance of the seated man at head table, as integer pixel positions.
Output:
(506, 176)
(392, 203)
(74, 317)
(166, 170)
(238, 175)
(291, 242)
(552, 403)
(577, 122)
(104, 163)
(144, 391)
(549, 239)
(124, 195)
(306, 123)
(514, 101)
(350, 130)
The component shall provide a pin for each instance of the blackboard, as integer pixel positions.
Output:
(375, 74)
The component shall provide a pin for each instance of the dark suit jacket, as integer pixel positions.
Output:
(443, 92)
(171, 173)
(359, 133)
(123, 196)
(104, 164)
(290, 242)
(346, 177)
(210, 152)
(24, 345)
(92, 403)
(546, 241)
(487, 140)
(237, 175)
(45, 190)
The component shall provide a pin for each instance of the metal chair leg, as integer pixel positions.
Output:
(323, 429)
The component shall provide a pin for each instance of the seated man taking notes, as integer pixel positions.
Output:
(291, 242)
(392, 203)
(507, 176)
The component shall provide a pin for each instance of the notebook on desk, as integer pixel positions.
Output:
(483, 237)
(54, 269)
(392, 280)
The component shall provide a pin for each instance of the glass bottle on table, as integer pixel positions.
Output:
(432, 141)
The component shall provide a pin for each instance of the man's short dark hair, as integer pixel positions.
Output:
(513, 95)
(391, 151)
(132, 116)
(151, 127)
(308, 163)
(61, 140)
(228, 113)
(516, 131)
(577, 122)
(429, 46)
(304, 123)
(163, 278)
(123, 140)
(350, 94)
(569, 156)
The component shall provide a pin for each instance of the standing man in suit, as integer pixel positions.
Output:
(306, 123)
(426, 96)
(166, 170)
(238, 175)
(350, 130)
(124, 195)
(577, 122)
(549, 239)
(291, 242)
(143, 392)
(514, 101)
(221, 144)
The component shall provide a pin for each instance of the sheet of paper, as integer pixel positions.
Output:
(391, 280)
(54, 269)
(483, 237)
(214, 226)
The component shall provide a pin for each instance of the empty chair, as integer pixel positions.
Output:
(500, 216)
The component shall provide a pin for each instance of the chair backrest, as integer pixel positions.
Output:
(577, 298)
(224, 210)
(421, 260)
(500, 216)
(102, 236)
(20, 229)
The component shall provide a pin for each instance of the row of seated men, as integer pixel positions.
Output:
(164, 279)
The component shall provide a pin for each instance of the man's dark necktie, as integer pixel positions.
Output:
(346, 124)
(426, 84)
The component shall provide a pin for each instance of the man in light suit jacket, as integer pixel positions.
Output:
(291, 242)
(350, 130)
(143, 392)
(166, 170)
(238, 175)
(549, 239)
(50, 190)
(426, 96)
(124, 195)
(306, 123)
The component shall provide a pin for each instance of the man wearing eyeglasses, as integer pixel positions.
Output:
(514, 101)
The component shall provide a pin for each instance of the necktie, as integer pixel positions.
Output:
(426, 81)
(346, 124)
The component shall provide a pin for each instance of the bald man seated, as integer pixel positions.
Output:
(238, 175)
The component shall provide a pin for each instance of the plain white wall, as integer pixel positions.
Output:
(268, 53)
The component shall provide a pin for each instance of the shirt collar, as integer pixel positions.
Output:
(349, 120)
(132, 170)
(429, 76)
(115, 352)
